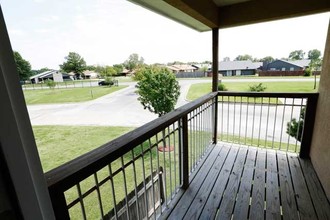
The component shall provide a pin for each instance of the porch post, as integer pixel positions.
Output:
(17, 145)
(215, 60)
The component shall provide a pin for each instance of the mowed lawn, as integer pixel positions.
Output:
(46, 96)
(200, 89)
(60, 144)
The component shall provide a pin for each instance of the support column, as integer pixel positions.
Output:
(215, 64)
(320, 148)
(17, 144)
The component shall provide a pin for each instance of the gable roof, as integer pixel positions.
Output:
(300, 63)
(44, 74)
(237, 65)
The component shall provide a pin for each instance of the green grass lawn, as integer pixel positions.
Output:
(60, 144)
(200, 89)
(67, 95)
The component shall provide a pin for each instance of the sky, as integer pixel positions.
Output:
(106, 32)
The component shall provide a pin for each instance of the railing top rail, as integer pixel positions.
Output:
(68, 174)
(270, 94)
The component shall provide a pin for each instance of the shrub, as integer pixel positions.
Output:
(109, 81)
(50, 83)
(295, 127)
(222, 87)
(307, 72)
(258, 88)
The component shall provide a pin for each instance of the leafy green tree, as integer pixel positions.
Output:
(158, 90)
(133, 62)
(244, 57)
(295, 127)
(23, 66)
(268, 59)
(314, 54)
(108, 71)
(297, 55)
(74, 63)
(118, 68)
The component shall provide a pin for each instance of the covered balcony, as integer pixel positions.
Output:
(225, 155)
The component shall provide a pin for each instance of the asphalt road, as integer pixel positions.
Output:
(122, 108)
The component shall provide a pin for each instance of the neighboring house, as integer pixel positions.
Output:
(237, 68)
(182, 68)
(90, 74)
(202, 65)
(287, 65)
(54, 75)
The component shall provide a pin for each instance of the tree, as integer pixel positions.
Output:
(294, 128)
(108, 71)
(118, 68)
(50, 83)
(267, 59)
(297, 55)
(23, 66)
(316, 62)
(244, 57)
(158, 90)
(226, 59)
(74, 63)
(314, 54)
(133, 62)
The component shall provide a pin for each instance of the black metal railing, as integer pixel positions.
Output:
(281, 121)
(138, 174)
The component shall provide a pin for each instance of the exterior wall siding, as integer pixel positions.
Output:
(279, 65)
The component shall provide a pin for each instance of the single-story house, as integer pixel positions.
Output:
(237, 68)
(287, 65)
(88, 74)
(54, 75)
(182, 68)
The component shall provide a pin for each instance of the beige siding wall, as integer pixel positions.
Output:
(320, 149)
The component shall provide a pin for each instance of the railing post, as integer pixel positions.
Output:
(59, 204)
(185, 153)
(215, 120)
(308, 126)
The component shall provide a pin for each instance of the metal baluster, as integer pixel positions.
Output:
(113, 191)
(98, 193)
(169, 156)
(144, 180)
(267, 121)
(253, 117)
(164, 167)
(152, 179)
(275, 122)
(301, 107)
(261, 107)
(233, 135)
(135, 186)
(247, 119)
(282, 124)
(240, 121)
(158, 172)
(81, 201)
(125, 186)
(287, 147)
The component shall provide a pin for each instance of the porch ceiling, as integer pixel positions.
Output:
(207, 14)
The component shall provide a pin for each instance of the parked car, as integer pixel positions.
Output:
(106, 83)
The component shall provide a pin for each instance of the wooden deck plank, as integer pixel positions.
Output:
(257, 210)
(288, 201)
(190, 193)
(204, 192)
(320, 201)
(170, 207)
(304, 202)
(211, 206)
(229, 197)
(244, 193)
(273, 210)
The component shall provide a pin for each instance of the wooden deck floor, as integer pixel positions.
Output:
(249, 183)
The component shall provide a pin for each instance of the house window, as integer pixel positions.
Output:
(283, 68)
(291, 68)
(273, 69)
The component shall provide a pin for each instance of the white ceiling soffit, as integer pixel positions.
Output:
(228, 2)
(163, 8)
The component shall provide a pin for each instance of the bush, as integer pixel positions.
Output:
(222, 87)
(307, 72)
(50, 83)
(109, 81)
(158, 90)
(295, 127)
(258, 88)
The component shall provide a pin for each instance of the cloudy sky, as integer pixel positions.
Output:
(106, 32)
